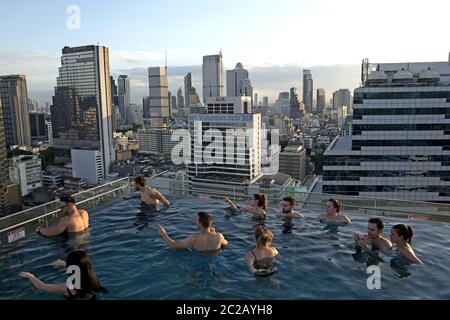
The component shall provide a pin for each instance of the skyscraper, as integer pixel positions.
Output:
(321, 101)
(82, 107)
(212, 70)
(13, 92)
(238, 82)
(400, 142)
(159, 111)
(255, 100)
(4, 171)
(307, 90)
(190, 94)
(342, 98)
(294, 105)
(123, 93)
(180, 99)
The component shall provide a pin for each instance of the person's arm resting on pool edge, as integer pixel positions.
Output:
(175, 245)
(38, 284)
(54, 231)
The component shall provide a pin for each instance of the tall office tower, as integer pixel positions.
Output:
(114, 101)
(240, 162)
(295, 110)
(255, 100)
(307, 90)
(191, 97)
(37, 126)
(169, 98)
(180, 99)
(33, 105)
(238, 83)
(4, 170)
(283, 104)
(321, 101)
(265, 101)
(13, 92)
(212, 70)
(174, 106)
(342, 98)
(123, 96)
(82, 108)
(159, 112)
(400, 144)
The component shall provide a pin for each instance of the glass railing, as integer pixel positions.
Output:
(22, 223)
(25, 222)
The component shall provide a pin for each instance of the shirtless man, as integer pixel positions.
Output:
(374, 237)
(332, 209)
(149, 196)
(207, 240)
(287, 207)
(75, 220)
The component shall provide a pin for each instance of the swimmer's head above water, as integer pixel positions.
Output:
(288, 205)
(67, 204)
(333, 206)
(401, 233)
(140, 183)
(204, 221)
(375, 228)
(259, 200)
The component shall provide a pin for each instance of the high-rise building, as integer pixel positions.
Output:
(265, 102)
(227, 105)
(293, 162)
(400, 142)
(237, 166)
(308, 90)
(13, 92)
(26, 171)
(123, 96)
(295, 110)
(37, 126)
(283, 104)
(4, 172)
(238, 82)
(341, 98)
(33, 105)
(255, 100)
(156, 141)
(82, 108)
(173, 103)
(212, 70)
(321, 101)
(191, 97)
(159, 112)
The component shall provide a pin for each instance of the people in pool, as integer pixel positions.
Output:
(208, 240)
(374, 237)
(75, 220)
(332, 213)
(260, 260)
(287, 209)
(150, 196)
(89, 282)
(401, 236)
(258, 205)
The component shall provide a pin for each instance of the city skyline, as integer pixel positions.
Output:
(26, 52)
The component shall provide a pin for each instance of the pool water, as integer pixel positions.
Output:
(133, 262)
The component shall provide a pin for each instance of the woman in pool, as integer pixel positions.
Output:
(401, 236)
(332, 209)
(260, 260)
(89, 283)
(258, 205)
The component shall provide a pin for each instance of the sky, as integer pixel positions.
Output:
(273, 39)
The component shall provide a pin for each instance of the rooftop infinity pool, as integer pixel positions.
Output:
(133, 262)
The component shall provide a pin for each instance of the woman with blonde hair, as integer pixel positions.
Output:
(260, 260)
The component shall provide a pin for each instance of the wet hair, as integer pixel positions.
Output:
(379, 222)
(263, 236)
(405, 231)
(67, 199)
(205, 219)
(141, 180)
(290, 200)
(336, 204)
(261, 199)
(89, 281)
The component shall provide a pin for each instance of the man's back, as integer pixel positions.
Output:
(207, 242)
(78, 221)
